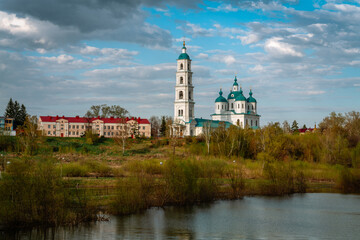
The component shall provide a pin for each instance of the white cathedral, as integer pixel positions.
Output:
(235, 110)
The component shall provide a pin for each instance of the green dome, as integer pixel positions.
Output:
(221, 98)
(235, 82)
(233, 95)
(240, 96)
(251, 99)
(184, 56)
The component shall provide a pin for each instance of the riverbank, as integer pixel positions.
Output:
(69, 181)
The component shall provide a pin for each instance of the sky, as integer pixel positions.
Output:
(300, 58)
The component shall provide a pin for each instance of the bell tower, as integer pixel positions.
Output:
(184, 98)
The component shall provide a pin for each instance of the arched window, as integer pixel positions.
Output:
(181, 95)
(188, 66)
(238, 105)
(218, 106)
(248, 107)
(179, 113)
(251, 122)
(242, 105)
(232, 105)
(238, 122)
(189, 80)
(222, 106)
(182, 112)
(181, 66)
(189, 94)
(181, 80)
(256, 123)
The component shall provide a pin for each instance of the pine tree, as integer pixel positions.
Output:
(294, 126)
(163, 126)
(17, 112)
(304, 127)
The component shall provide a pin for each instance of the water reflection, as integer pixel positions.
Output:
(308, 216)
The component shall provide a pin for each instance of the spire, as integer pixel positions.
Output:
(241, 91)
(250, 93)
(184, 43)
(235, 82)
(221, 93)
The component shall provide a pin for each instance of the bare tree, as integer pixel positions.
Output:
(207, 132)
(155, 126)
(122, 133)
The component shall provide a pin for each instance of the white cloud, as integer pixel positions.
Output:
(223, 8)
(249, 39)
(276, 47)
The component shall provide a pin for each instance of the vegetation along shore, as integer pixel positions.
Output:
(64, 181)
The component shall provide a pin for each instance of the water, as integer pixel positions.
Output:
(307, 216)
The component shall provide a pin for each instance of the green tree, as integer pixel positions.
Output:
(17, 112)
(294, 127)
(304, 127)
(163, 126)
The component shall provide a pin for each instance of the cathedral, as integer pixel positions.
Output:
(235, 110)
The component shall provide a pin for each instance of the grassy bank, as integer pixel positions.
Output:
(68, 181)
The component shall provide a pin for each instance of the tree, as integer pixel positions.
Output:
(304, 127)
(122, 133)
(286, 127)
(207, 131)
(17, 112)
(105, 111)
(294, 126)
(155, 126)
(163, 126)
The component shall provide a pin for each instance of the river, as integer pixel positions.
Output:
(306, 216)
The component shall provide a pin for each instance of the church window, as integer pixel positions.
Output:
(218, 106)
(252, 107)
(222, 106)
(181, 80)
(181, 95)
(232, 105)
(188, 66)
(182, 112)
(251, 123)
(256, 123)
(247, 122)
(189, 95)
(238, 122)
(189, 80)
(238, 105)
(242, 105)
(248, 107)
(181, 66)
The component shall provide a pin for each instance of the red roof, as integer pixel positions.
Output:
(302, 130)
(78, 119)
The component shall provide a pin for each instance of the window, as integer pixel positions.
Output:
(48, 132)
(54, 132)
(181, 66)
(54, 126)
(73, 126)
(190, 112)
(112, 127)
(248, 107)
(256, 123)
(222, 106)
(188, 66)
(48, 126)
(252, 107)
(77, 127)
(218, 106)
(247, 122)
(251, 123)
(238, 122)
(143, 127)
(238, 105)
(181, 95)
(189, 80)
(189, 94)
(181, 80)
(232, 105)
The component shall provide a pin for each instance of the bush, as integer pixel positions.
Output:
(348, 182)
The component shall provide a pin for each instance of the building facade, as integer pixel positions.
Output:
(7, 126)
(55, 126)
(235, 110)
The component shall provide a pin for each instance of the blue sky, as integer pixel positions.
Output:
(301, 58)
